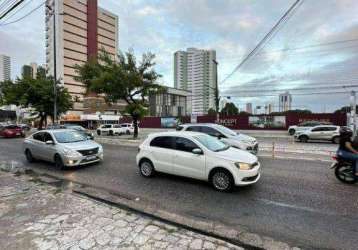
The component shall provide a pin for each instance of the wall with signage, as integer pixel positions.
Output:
(244, 121)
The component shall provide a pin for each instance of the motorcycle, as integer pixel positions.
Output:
(343, 169)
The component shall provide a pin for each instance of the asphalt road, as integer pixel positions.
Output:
(296, 201)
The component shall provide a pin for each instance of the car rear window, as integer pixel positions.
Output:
(163, 142)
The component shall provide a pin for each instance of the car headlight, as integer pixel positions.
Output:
(71, 153)
(100, 149)
(243, 166)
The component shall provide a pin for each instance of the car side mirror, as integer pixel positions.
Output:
(197, 151)
(49, 143)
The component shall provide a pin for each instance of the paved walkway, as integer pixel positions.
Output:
(34, 215)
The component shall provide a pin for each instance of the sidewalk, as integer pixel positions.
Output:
(35, 215)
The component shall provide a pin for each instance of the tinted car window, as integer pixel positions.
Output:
(210, 131)
(47, 137)
(162, 142)
(178, 128)
(38, 136)
(331, 129)
(106, 126)
(193, 128)
(184, 144)
(318, 129)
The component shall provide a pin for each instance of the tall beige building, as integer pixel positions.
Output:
(82, 30)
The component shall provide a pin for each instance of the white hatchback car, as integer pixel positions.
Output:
(198, 156)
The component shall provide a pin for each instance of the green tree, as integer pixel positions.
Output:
(122, 79)
(293, 111)
(211, 112)
(37, 93)
(230, 109)
(345, 110)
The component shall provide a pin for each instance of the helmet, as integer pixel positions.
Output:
(345, 131)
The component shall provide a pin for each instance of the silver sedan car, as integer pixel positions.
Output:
(64, 147)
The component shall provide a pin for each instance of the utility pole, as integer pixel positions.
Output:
(53, 14)
(217, 98)
(353, 118)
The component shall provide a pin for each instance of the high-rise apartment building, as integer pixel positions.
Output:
(285, 102)
(82, 30)
(195, 70)
(5, 68)
(29, 71)
(249, 107)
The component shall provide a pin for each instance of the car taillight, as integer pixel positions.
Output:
(334, 157)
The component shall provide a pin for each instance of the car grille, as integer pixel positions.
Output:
(88, 151)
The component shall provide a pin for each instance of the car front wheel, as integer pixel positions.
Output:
(58, 162)
(146, 168)
(29, 156)
(222, 180)
(303, 138)
(291, 131)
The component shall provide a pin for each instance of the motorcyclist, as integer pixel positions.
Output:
(346, 149)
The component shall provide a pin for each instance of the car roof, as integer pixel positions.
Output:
(175, 133)
(333, 126)
(55, 130)
(199, 124)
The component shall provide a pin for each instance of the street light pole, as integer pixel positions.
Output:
(53, 14)
(217, 99)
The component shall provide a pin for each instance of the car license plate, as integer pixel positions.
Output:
(91, 157)
(17, 133)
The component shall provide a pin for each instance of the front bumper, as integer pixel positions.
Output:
(248, 177)
(82, 160)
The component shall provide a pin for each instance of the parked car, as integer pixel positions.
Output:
(128, 128)
(198, 156)
(80, 129)
(24, 127)
(11, 131)
(110, 129)
(228, 136)
(64, 147)
(305, 125)
(322, 132)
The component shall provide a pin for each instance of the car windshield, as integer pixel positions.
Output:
(211, 143)
(225, 130)
(69, 136)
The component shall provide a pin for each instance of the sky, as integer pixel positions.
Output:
(315, 51)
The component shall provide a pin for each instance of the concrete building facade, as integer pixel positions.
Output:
(82, 30)
(285, 102)
(195, 70)
(171, 103)
(5, 68)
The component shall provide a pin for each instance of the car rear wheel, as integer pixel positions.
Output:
(58, 162)
(29, 156)
(111, 132)
(336, 140)
(128, 132)
(222, 180)
(146, 168)
(98, 132)
(291, 131)
(303, 138)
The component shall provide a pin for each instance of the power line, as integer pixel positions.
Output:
(4, 5)
(22, 7)
(11, 8)
(19, 19)
(261, 43)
